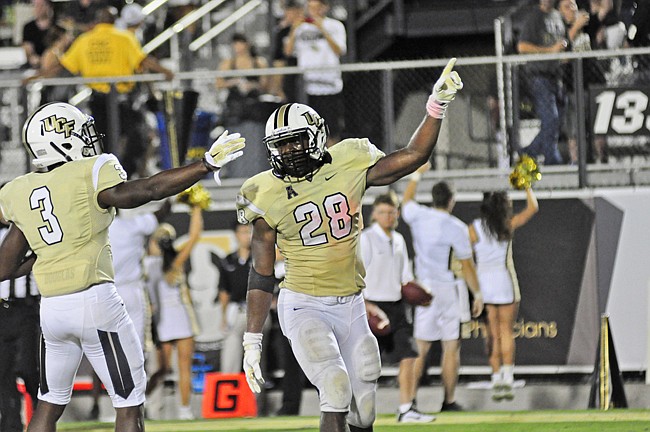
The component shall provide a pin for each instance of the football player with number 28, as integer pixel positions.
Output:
(62, 212)
(310, 203)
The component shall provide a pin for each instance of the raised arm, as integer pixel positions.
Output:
(473, 237)
(337, 47)
(291, 40)
(196, 227)
(412, 186)
(265, 80)
(526, 214)
(418, 151)
(166, 183)
(222, 83)
(152, 64)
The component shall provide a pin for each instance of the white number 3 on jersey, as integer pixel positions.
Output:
(40, 199)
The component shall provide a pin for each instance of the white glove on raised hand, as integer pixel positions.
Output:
(252, 356)
(225, 149)
(444, 91)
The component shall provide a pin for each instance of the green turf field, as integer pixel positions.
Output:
(521, 421)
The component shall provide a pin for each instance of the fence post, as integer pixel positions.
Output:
(113, 132)
(581, 135)
(502, 136)
(388, 111)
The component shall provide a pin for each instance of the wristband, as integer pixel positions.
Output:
(208, 165)
(253, 340)
(212, 168)
(435, 108)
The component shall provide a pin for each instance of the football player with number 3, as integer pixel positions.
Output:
(310, 204)
(62, 212)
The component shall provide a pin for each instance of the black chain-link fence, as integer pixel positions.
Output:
(602, 98)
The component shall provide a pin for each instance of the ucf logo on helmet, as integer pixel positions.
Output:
(312, 119)
(59, 125)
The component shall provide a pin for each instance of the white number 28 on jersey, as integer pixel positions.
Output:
(40, 199)
(337, 211)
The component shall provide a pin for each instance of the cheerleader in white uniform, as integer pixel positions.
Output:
(174, 316)
(491, 237)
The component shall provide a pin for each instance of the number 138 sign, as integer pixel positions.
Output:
(620, 110)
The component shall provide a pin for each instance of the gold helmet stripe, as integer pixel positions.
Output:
(282, 116)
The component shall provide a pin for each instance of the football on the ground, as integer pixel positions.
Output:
(415, 294)
(378, 326)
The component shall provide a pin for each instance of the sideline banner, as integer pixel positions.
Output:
(550, 255)
(584, 254)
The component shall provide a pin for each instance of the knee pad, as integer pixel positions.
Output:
(324, 366)
(336, 391)
(362, 412)
(316, 339)
(367, 361)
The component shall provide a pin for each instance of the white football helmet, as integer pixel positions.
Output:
(59, 132)
(295, 141)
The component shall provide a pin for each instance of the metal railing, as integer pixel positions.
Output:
(384, 101)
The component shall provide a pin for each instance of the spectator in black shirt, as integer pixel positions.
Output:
(35, 32)
(545, 32)
(638, 33)
(80, 14)
(284, 86)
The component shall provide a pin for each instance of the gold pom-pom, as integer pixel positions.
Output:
(195, 195)
(525, 173)
(194, 154)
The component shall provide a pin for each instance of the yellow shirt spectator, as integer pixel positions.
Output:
(104, 51)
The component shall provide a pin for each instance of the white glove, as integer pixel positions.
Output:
(444, 91)
(252, 356)
(225, 149)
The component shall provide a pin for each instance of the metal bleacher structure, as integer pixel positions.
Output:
(384, 99)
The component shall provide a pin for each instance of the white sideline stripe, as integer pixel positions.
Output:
(391, 371)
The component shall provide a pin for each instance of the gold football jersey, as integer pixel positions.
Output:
(317, 221)
(63, 223)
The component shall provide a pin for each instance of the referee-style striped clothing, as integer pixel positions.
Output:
(18, 288)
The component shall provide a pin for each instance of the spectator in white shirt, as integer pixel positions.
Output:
(387, 268)
(436, 236)
(318, 42)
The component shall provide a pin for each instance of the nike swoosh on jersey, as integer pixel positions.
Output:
(329, 178)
